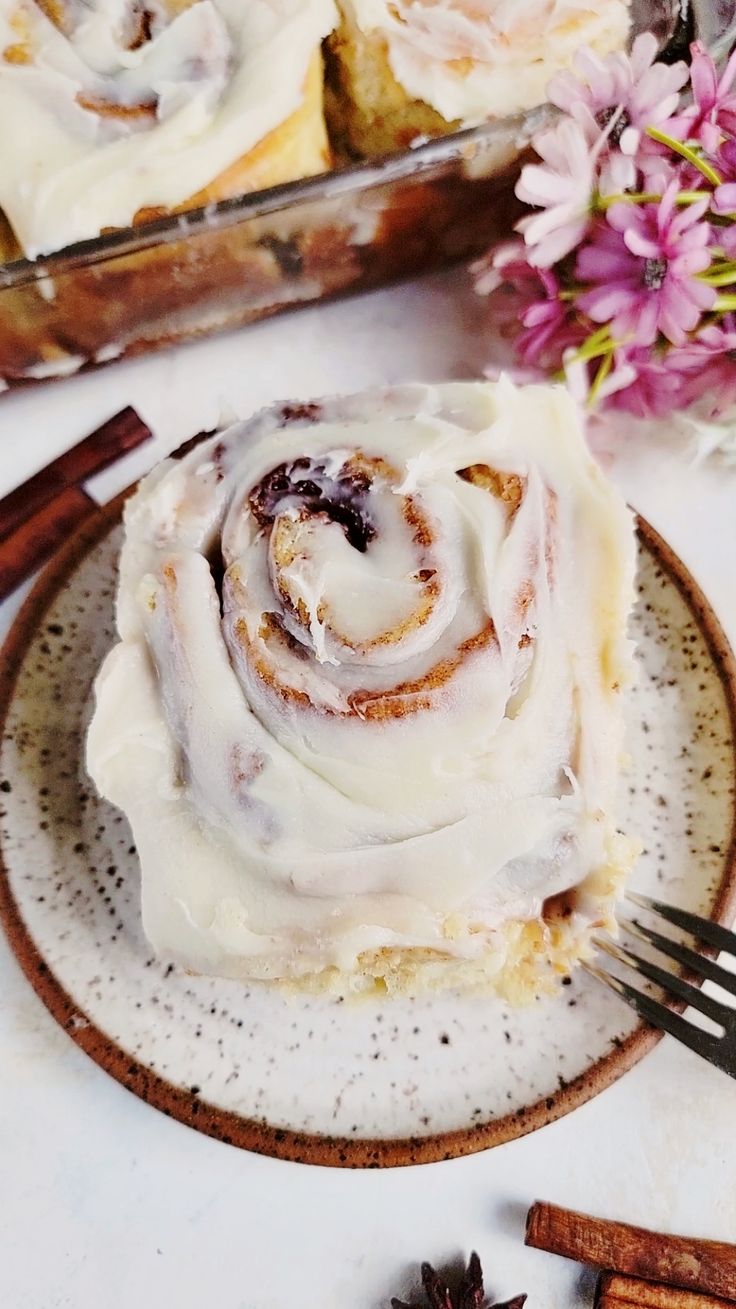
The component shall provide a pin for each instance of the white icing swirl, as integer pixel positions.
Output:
(128, 104)
(477, 59)
(396, 726)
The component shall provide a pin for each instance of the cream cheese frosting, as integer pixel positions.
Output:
(477, 59)
(366, 692)
(211, 80)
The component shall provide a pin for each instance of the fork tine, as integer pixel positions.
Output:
(712, 933)
(682, 954)
(669, 982)
(658, 1015)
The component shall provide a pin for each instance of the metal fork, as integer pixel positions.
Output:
(718, 1049)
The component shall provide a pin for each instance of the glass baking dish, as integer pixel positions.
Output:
(218, 267)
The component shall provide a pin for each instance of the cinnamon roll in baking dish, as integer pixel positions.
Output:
(404, 69)
(126, 109)
(364, 711)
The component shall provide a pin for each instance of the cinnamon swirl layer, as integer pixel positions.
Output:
(364, 710)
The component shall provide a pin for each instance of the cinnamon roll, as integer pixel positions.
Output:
(364, 711)
(406, 69)
(126, 109)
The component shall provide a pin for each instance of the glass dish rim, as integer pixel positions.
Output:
(352, 179)
(349, 180)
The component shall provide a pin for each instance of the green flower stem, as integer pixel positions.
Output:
(686, 152)
(599, 379)
(597, 346)
(691, 197)
(725, 304)
(721, 277)
(721, 260)
(596, 337)
(603, 202)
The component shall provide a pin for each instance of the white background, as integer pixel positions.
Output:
(106, 1204)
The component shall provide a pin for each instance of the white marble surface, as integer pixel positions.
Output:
(104, 1202)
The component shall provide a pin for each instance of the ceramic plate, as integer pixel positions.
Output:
(317, 1079)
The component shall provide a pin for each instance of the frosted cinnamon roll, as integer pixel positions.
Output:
(404, 69)
(124, 109)
(364, 712)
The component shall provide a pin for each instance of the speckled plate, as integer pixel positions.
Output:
(318, 1079)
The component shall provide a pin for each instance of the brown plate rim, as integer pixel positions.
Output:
(249, 1134)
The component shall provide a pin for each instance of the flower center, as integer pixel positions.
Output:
(619, 127)
(655, 271)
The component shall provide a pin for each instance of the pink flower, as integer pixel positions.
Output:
(725, 160)
(510, 284)
(724, 198)
(652, 389)
(713, 111)
(726, 241)
(609, 287)
(618, 173)
(640, 381)
(503, 264)
(561, 187)
(550, 327)
(723, 202)
(580, 375)
(642, 268)
(707, 364)
(659, 382)
(630, 92)
(659, 169)
(532, 299)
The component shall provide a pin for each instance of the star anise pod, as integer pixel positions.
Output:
(470, 1293)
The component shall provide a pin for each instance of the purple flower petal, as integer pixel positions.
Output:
(701, 294)
(645, 331)
(594, 264)
(622, 216)
(703, 79)
(605, 302)
(640, 245)
(724, 198)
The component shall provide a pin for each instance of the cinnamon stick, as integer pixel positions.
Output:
(31, 544)
(669, 1297)
(616, 1291)
(686, 1262)
(115, 438)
